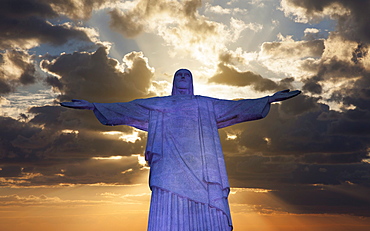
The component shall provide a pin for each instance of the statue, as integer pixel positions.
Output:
(188, 177)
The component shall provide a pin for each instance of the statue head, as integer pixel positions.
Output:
(182, 83)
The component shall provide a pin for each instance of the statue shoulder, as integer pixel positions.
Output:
(153, 103)
(206, 98)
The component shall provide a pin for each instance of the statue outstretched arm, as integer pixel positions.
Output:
(230, 112)
(135, 113)
(283, 95)
(79, 104)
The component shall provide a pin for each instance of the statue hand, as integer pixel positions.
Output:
(78, 104)
(283, 95)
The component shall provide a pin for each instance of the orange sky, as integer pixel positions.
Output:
(117, 208)
(132, 217)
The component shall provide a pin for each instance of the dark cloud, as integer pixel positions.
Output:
(126, 23)
(344, 145)
(359, 53)
(26, 8)
(30, 32)
(229, 75)
(17, 67)
(307, 132)
(133, 22)
(5, 88)
(277, 171)
(339, 199)
(353, 24)
(301, 142)
(44, 143)
(10, 171)
(350, 70)
(19, 60)
(312, 85)
(12, 133)
(80, 9)
(97, 78)
(93, 171)
(58, 118)
(358, 94)
(54, 82)
(310, 199)
(48, 152)
(191, 7)
(26, 23)
(88, 171)
(230, 58)
(300, 49)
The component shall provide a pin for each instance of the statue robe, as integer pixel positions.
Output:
(188, 177)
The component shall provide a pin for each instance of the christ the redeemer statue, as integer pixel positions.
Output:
(188, 177)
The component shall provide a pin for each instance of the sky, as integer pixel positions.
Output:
(306, 166)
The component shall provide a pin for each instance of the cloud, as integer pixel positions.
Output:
(305, 124)
(27, 23)
(341, 199)
(17, 67)
(351, 16)
(217, 9)
(341, 74)
(288, 48)
(79, 9)
(90, 171)
(181, 26)
(287, 55)
(227, 74)
(133, 22)
(4, 87)
(98, 78)
(301, 141)
(10, 171)
(37, 156)
(126, 23)
(53, 136)
(31, 200)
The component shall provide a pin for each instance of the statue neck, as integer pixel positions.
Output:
(183, 91)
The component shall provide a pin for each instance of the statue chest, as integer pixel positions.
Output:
(182, 116)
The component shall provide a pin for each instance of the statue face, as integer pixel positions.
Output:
(182, 79)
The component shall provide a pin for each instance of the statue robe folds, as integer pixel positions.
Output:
(188, 177)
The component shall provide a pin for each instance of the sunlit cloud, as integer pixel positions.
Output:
(69, 131)
(311, 31)
(303, 15)
(181, 27)
(287, 56)
(21, 101)
(28, 201)
(132, 137)
(255, 190)
(216, 9)
(108, 158)
(81, 9)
